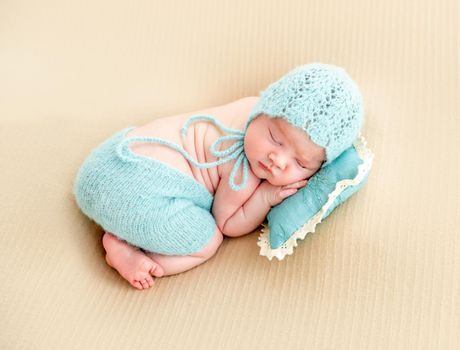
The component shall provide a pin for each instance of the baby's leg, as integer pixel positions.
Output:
(174, 264)
(132, 264)
(138, 267)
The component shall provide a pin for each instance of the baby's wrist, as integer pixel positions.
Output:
(266, 189)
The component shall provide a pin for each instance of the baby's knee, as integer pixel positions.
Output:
(212, 246)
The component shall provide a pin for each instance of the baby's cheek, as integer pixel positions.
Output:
(302, 176)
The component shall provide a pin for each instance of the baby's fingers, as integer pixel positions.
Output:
(288, 192)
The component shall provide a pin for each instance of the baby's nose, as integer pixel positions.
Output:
(278, 160)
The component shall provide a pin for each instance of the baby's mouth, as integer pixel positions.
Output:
(262, 165)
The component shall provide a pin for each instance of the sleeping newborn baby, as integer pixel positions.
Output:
(168, 192)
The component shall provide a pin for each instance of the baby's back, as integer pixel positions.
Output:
(200, 136)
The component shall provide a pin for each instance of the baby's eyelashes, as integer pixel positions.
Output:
(302, 165)
(271, 135)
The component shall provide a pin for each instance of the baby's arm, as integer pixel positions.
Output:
(227, 202)
(252, 213)
(248, 216)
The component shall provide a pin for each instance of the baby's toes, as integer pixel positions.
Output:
(145, 284)
(149, 281)
(137, 284)
(157, 271)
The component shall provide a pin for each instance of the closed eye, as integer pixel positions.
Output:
(302, 166)
(273, 137)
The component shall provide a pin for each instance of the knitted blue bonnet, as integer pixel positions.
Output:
(320, 99)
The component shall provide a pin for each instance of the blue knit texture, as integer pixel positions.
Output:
(144, 201)
(320, 99)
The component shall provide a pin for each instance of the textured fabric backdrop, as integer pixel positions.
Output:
(382, 272)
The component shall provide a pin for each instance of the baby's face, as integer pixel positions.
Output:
(281, 153)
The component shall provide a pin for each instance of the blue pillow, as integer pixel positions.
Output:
(299, 214)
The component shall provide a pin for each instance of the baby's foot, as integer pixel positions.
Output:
(133, 265)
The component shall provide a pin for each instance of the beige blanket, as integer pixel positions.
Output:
(382, 272)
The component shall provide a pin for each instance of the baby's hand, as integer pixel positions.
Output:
(276, 194)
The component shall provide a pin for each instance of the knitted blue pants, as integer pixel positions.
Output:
(143, 201)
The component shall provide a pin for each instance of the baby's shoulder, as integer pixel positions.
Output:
(239, 110)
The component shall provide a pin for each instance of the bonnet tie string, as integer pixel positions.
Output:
(234, 151)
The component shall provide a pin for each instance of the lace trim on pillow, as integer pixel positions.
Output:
(310, 226)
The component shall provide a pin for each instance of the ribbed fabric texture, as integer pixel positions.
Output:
(144, 201)
(320, 99)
